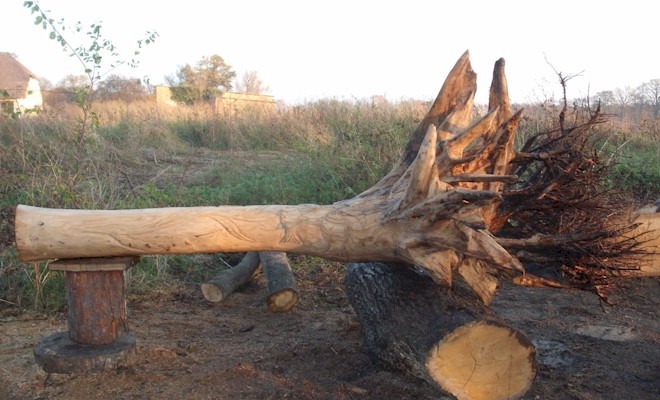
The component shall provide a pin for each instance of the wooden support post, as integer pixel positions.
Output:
(98, 336)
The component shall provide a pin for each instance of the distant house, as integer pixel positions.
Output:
(19, 88)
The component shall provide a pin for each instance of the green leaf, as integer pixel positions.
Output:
(38, 19)
(53, 35)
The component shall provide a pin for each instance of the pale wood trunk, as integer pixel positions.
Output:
(309, 229)
(444, 336)
(433, 209)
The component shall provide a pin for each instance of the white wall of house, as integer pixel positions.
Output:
(33, 98)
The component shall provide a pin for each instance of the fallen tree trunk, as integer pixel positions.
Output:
(282, 289)
(442, 335)
(227, 281)
(433, 209)
(439, 207)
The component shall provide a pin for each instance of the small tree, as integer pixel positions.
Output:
(210, 77)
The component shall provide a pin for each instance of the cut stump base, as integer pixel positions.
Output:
(59, 354)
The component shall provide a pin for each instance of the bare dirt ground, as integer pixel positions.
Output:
(191, 349)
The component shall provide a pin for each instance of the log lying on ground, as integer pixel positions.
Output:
(282, 289)
(432, 209)
(445, 336)
(227, 281)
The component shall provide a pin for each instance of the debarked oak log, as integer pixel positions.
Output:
(444, 336)
(433, 209)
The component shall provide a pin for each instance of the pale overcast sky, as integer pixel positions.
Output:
(305, 50)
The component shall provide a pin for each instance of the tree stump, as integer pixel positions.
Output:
(443, 335)
(98, 336)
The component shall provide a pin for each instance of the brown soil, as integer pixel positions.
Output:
(191, 349)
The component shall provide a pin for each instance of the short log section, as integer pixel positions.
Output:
(443, 335)
(282, 289)
(227, 281)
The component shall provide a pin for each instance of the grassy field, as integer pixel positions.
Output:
(138, 156)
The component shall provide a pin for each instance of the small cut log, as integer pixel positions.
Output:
(227, 281)
(444, 336)
(282, 289)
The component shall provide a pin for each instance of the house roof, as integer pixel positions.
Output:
(14, 76)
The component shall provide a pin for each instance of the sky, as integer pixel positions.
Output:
(355, 49)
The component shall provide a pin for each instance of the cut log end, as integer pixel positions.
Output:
(227, 281)
(212, 292)
(462, 363)
(282, 301)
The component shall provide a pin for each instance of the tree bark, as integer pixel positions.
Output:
(445, 336)
(96, 306)
(282, 289)
(227, 281)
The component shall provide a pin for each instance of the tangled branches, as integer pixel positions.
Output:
(561, 213)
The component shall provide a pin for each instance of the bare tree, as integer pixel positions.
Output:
(250, 83)
(606, 98)
(622, 98)
(649, 94)
(117, 87)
